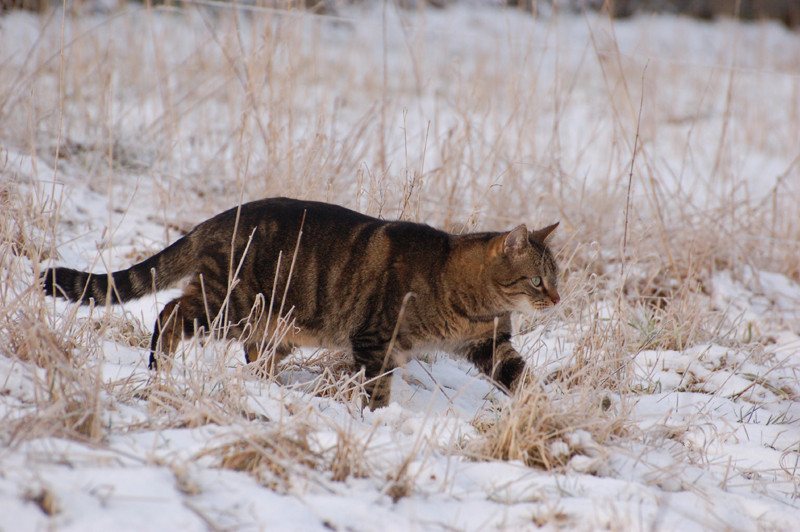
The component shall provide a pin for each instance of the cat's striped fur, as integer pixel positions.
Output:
(357, 283)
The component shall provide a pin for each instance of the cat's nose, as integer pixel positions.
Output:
(555, 298)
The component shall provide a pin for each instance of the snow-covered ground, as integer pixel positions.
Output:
(153, 121)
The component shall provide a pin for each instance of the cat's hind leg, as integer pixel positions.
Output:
(181, 317)
(268, 358)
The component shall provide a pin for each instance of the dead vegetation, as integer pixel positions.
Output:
(548, 428)
(277, 113)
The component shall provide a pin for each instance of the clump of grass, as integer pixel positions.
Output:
(71, 406)
(545, 429)
(123, 329)
(45, 498)
(272, 458)
(279, 455)
(346, 458)
(31, 339)
(26, 222)
(68, 397)
(672, 317)
(70, 400)
(336, 376)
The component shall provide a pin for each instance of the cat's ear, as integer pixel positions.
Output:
(515, 240)
(542, 235)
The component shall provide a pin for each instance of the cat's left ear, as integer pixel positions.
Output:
(515, 240)
(542, 235)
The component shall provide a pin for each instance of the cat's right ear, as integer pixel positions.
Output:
(515, 240)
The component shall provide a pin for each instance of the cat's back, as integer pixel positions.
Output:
(278, 222)
(331, 234)
(325, 222)
(287, 212)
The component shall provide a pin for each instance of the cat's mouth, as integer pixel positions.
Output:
(529, 307)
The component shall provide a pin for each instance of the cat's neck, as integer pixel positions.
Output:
(469, 287)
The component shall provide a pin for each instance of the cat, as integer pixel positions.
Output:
(382, 290)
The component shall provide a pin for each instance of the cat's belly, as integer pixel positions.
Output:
(310, 338)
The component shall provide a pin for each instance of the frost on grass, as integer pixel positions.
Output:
(663, 391)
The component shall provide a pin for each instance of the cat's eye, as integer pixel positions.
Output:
(537, 281)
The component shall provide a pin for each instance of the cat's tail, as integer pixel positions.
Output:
(158, 272)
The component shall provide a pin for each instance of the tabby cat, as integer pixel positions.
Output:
(380, 289)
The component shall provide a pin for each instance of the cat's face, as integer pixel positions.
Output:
(524, 273)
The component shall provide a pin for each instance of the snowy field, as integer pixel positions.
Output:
(665, 388)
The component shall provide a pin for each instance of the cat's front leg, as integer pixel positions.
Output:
(371, 354)
(496, 358)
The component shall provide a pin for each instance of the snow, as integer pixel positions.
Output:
(713, 437)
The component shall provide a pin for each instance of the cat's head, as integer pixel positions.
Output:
(523, 271)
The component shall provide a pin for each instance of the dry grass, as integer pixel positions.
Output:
(547, 429)
(272, 458)
(186, 112)
(284, 454)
